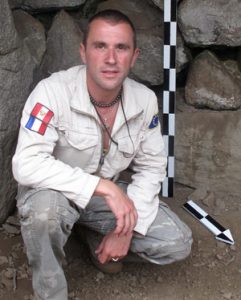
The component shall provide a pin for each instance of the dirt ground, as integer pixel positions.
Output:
(212, 272)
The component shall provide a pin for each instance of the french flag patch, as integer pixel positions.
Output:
(39, 119)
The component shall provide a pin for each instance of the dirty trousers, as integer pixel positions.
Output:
(47, 218)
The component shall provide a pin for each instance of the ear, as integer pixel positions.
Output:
(135, 56)
(82, 53)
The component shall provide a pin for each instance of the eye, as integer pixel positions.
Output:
(100, 45)
(122, 47)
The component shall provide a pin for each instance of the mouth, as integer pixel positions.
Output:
(110, 73)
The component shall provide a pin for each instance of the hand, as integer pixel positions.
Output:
(121, 205)
(113, 246)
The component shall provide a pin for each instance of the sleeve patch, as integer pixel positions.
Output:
(39, 118)
(154, 122)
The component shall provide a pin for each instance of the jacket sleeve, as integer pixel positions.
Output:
(34, 164)
(149, 166)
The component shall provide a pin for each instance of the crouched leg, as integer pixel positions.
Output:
(46, 221)
(167, 240)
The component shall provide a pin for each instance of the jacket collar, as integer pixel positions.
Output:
(80, 100)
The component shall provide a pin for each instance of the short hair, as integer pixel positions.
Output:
(113, 16)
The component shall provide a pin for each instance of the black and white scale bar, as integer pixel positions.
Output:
(219, 231)
(169, 92)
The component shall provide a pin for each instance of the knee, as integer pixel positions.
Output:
(176, 247)
(43, 211)
(180, 247)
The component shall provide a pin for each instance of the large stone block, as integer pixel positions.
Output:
(44, 4)
(207, 150)
(63, 42)
(16, 71)
(32, 33)
(213, 84)
(9, 38)
(210, 22)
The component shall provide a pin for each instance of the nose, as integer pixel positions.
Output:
(111, 57)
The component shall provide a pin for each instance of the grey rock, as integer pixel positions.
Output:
(16, 70)
(13, 220)
(100, 276)
(44, 4)
(210, 22)
(32, 33)
(233, 68)
(146, 68)
(210, 199)
(207, 150)
(160, 3)
(63, 43)
(142, 14)
(9, 38)
(3, 260)
(227, 295)
(11, 229)
(183, 54)
(198, 194)
(212, 84)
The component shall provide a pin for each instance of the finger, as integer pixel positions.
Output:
(120, 222)
(134, 216)
(103, 257)
(100, 248)
(127, 227)
(132, 222)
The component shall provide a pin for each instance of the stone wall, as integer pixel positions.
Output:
(41, 37)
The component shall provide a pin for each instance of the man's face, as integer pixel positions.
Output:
(109, 54)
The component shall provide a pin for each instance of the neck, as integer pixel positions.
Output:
(100, 94)
(104, 97)
(104, 104)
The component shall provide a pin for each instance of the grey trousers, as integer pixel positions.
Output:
(47, 218)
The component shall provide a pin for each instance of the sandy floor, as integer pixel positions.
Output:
(212, 272)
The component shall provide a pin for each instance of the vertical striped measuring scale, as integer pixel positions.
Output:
(169, 91)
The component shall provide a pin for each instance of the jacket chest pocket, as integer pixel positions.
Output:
(78, 149)
(127, 146)
(81, 140)
(129, 140)
(124, 152)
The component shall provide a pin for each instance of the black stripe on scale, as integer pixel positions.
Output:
(173, 10)
(165, 124)
(172, 57)
(224, 237)
(166, 79)
(172, 98)
(215, 223)
(171, 145)
(193, 211)
(170, 187)
(167, 33)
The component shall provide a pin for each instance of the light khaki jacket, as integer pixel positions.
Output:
(67, 158)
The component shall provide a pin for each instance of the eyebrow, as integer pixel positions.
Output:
(102, 43)
(97, 43)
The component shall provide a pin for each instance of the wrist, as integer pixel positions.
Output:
(103, 188)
